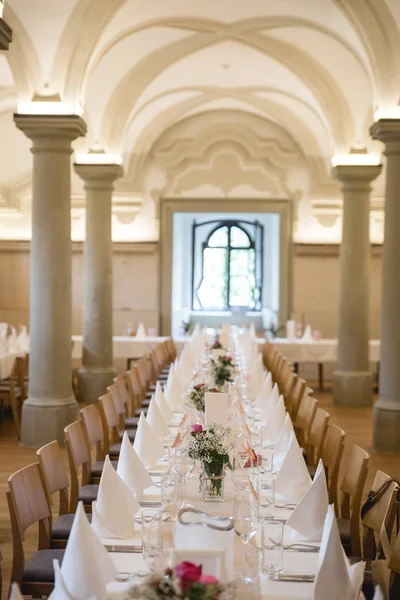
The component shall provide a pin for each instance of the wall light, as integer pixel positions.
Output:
(387, 113)
(49, 108)
(356, 159)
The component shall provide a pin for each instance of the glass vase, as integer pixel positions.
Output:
(213, 484)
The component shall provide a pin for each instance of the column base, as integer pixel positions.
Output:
(352, 388)
(93, 383)
(44, 422)
(386, 427)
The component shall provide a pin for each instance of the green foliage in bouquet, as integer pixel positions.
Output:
(223, 369)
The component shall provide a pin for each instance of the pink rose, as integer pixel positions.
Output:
(197, 428)
(188, 573)
(208, 579)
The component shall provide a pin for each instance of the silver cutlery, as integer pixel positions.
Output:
(126, 549)
(150, 504)
(296, 578)
(286, 506)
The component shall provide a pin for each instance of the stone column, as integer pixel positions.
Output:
(352, 381)
(50, 405)
(386, 414)
(97, 370)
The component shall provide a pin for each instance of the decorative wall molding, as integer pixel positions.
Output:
(329, 250)
(9, 246)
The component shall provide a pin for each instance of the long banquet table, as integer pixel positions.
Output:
(294, 562)
(126, 347)
(317, 351)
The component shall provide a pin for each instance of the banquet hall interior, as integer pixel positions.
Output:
(184, 184)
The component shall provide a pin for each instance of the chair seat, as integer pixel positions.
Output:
(62, 526)
(344, 530)
(5, 389)
(131, 434)
(139, 411)
(131, 422)
(39, 567)
(97, 468)
(146, 402)
(115, 450)
(88, 493)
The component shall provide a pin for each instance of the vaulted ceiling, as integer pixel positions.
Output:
(316, 69)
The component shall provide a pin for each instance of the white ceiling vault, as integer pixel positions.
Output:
(202, 98)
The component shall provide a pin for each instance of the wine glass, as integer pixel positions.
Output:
(245, 515)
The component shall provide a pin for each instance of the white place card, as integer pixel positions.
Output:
(216, 408)
(211, 561)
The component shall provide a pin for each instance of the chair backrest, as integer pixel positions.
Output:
(332, 452)
(172, 350)
(143, 371)
(119, 403)
(1, 575)
(53, 473)
(380, 517)
(110, 421)
(293, 401)
(94, 430)
(16, 377)
(79, 460)
(304, 418)
(351, 488)
(28, 504)
(394, 566)
(316, 436)
(135, 388)
(121, 382)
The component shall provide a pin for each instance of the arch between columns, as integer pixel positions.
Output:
(170, 206)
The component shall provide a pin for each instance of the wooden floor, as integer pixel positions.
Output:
(356, 423)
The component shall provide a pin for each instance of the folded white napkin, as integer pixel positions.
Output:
(86, 567)
(307, 335)
(156, 421)
(335, 579)
(257, 375)
(131, 469)
(264, 392)
(174, 390)
(291, 330)
(141, 331)
(12, 340)
(293, 479)
(114, 510)
(162, 403)
(283, 443)
(274, 421)
(147, 446)
(270, 404)
(15, 593)
(308, 517)
(378, 593)
(23, 340)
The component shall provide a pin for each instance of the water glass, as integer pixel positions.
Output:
(152, 547)
(272, 548)
(266, 495)
(245, 515)
(173, 493)
(257, 438)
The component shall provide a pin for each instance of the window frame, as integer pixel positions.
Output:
(256, 243)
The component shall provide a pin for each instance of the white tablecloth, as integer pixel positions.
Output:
(322, 351)
(125, 346)
(6, 364)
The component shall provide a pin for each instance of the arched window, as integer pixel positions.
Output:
(227, 265)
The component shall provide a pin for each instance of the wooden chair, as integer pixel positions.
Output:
(55, 481)
(120, 402)
(331, 455)
(351, 490)
(94, 430)
(316, 438)
(12, 394)
(380, 518)
(293, 401)
(79, 460)
(304, 419)
(28, 505)
(1, 575)
(394, 566)
(110, 422)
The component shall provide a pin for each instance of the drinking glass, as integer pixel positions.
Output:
(241, 467)
(271, 548)
(245, 515)
(173, 493)
(266, 495)
(152, 547)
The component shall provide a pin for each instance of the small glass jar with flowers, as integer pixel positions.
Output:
(211, 447)
(197, 396)
(223, 369)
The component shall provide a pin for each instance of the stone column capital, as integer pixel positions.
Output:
(99, 175)
(356, 177)
(388, 132)
(51, 133)
(5, 35)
